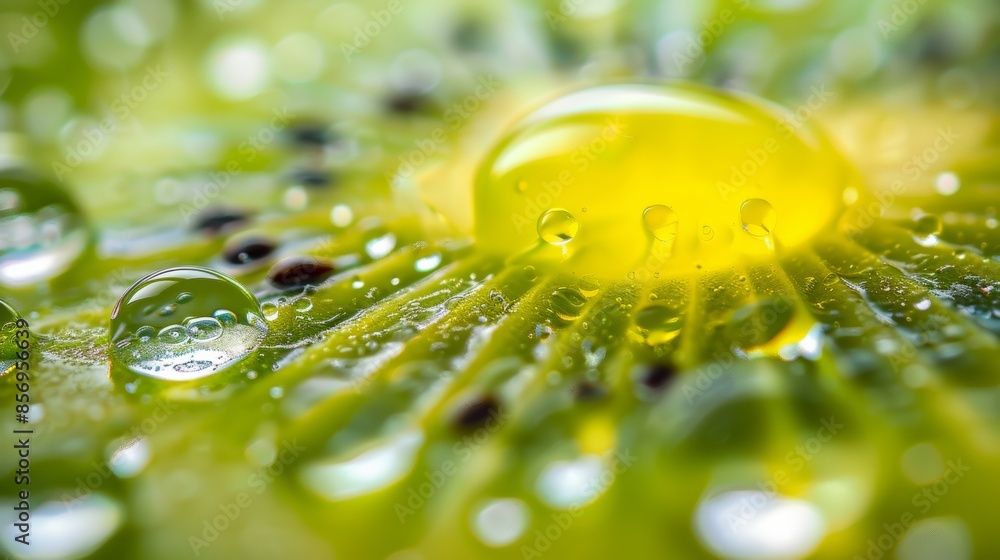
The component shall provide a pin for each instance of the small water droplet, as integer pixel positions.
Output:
(226, 317)
(303, 305)
(661, 221)
(557, 226)
(204, 329)
(758, 217)
(270, 310)
(168, 310)
(927, 225)
(589, 285)
(568, 303)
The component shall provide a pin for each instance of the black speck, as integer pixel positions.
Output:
(217, 220)
(589, 391)
(295, 272)
(406, 102)
(476, 413)
(658, 375)
(311, 135)
(310, 178)
(247, 250)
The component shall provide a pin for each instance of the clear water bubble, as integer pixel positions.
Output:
(216, 325)
(42, 231)
(661, 221)
(303, 305)
(270, 310)
(758, 217)
(568, 303)
(204, 329)
(557, 226)
(589, 285)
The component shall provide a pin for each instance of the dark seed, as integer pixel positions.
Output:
(658, 375)
(309, 178)
(589, 391)
(477, 413)
(295, 272)
(405, 102)
(216, 220)
(243, 251)
(312, 134)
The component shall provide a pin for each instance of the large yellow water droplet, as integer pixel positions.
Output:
(557, 226)
(631, 151)
(661, 221)
(758, 217)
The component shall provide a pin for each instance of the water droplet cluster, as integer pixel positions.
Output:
(182, 324)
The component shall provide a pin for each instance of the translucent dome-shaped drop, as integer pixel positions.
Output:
(8, 337)
(659, 178)
(42, 232)
(182, 324)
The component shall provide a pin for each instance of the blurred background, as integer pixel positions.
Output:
(345, 126)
